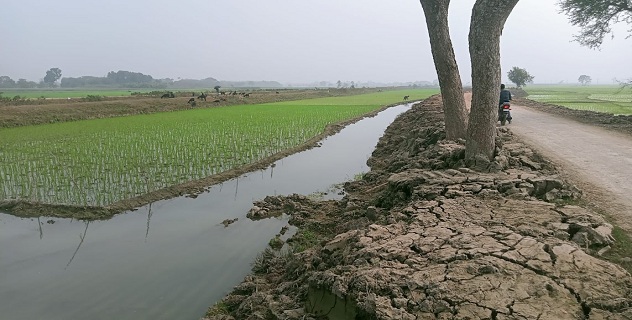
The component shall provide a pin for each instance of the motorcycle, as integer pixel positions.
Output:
(504, 113)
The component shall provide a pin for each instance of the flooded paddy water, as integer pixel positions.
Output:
(171, 259)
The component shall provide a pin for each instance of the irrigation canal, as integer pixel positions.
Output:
(171, 260)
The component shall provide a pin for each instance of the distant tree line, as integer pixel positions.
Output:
(7, 82)
(128, 79)
(118, 79)
(52, 75)
(193, 83)
(250, 84)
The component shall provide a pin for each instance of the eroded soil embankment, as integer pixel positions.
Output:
(423, 237)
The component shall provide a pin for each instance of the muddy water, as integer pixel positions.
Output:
(171, 259)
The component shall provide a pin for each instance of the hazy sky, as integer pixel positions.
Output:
(289, 41)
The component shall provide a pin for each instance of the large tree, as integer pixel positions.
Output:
(486, 26)
(584, 80)
(52, 75)
(6, 82)
(519, 76)
(488, 20)
(595, 18)
(436, 12)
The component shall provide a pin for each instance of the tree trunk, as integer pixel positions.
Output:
(488, 19)
(455, 113)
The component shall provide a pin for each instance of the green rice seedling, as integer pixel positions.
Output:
(102, 161)
(607, 99)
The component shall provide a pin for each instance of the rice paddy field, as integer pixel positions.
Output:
(607, 99)
(102, 161)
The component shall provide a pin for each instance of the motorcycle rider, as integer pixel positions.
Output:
(505, 96)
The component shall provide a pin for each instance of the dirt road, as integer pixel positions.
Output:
(597, 160)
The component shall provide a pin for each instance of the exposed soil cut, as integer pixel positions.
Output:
(423, 237)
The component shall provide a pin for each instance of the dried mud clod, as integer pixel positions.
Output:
(228, 222)
(422, 236)
(275, 206)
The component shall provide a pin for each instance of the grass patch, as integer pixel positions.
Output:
(276, 243)
(304, 239)
(217, 309)
(92, 97)
(606, 99)
(621, 251)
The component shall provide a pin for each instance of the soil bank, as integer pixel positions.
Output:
(421, 236)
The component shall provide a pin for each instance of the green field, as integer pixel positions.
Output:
(607, 99)
(103, 161)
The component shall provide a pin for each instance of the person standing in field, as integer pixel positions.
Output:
(505, 96)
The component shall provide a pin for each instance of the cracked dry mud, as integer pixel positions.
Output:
(462, 258)
(423, 237)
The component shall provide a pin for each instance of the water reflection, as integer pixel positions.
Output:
(192, 259)
(81, 238)
(41, 232)
(148, 220)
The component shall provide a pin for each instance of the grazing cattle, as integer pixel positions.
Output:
(168, 95)
(406, 97)
(191, 100)
(247, 95)
(202, 96)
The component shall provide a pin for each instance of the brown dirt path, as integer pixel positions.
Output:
(598, 160)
